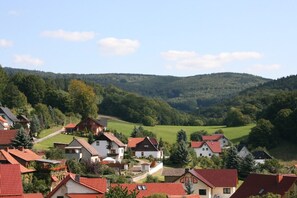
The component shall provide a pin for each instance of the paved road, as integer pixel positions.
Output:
(49, 136)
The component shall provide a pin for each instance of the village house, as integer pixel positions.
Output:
(261, 184)
(24, 156)
(206, 149)
(260, 156)
(109, 146)
(93, 125)
(145, 147)
(11, 182)
(224, 142)
(8, 116)
(6, 136)
(207, 183)
(69, 128)
(4, 124)
(80, 149)
(147, 189)
(77, 186)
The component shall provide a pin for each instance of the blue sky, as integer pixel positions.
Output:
(180, 38)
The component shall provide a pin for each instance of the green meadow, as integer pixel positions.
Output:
(168, 132)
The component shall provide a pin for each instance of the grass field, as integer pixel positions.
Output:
(47, 132)
(168, 133)
(61, 138)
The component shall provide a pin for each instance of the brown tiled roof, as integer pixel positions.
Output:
(173, 171)
(24, 154)
(114, 139)
(133, 141)
(11, 181)
(219, 177)
(11, 160)
(6, 136)
(214, 137)
(260, 184)
(87, 146)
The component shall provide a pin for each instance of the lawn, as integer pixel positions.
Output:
(61, 138)
(168, 132)
(47, 132)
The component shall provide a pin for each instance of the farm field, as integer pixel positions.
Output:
(168, 132)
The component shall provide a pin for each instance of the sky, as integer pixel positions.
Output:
(168, 37)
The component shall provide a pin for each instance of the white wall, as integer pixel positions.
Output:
(219, 191)
(223, 142)
(204, 151)
(103, 151)
(86, 155)
(72, 187)
(155, 154)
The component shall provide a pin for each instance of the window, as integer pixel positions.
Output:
(209, 154)
(146, 146)
(60, 196)
(202, 191)
(207, 149)
(200, 154)
(97, 143)
(202, 149)
(226, 190)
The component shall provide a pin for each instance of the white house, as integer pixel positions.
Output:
(107, 145)
(216, 137)
(211, 183)
(76, 186)
(206, 149)
(80, 149)
(145, 147)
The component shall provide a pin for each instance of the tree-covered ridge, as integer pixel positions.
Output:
(183, 93)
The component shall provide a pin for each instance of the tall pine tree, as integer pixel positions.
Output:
(22, 139)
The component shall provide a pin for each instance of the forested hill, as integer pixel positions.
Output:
(183, 93)
(254, 100)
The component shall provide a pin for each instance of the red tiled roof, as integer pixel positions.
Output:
(25, 154)
(96, 184)
(33, 195)
(153, 188)
(219, 177)
(215, 147)
(183, 196)
(133, 141)
(87, 146)
(113, 138)
(6, 136)
(11, 181)
(11, 160)
(214, 137)
(85, 195)
(70, 126)
(260, 184)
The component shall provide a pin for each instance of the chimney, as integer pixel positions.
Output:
(6, 149)
(187, 170)
(77, 178)
(279, 178)
(21, 148)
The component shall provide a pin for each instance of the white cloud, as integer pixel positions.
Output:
(27, 60)
(193, 61)
(5, 43)
(263, 68)
(120, 47)
(69, 36)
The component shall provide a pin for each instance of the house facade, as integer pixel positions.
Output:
(210, 183)
(93, 125)
(145, 147)
(8, 116)
(4, 124)
(80, 149)
(76, 186)
(206, 149)
(224, 142)
(107, 145)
